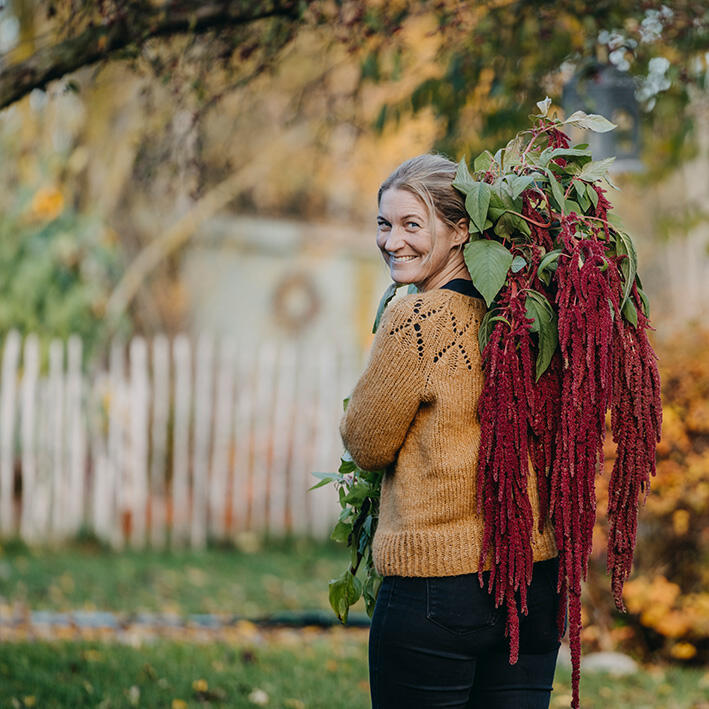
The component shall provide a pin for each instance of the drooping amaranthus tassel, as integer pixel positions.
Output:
(636, 421)
(543, 425)
(602, 207)
(585, 326)
(503, 500)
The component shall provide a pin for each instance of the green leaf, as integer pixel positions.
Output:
(483, 161)
(592, 195)
(509, 224)
(580, 189)
(590, 121)
(644, 302)
(519, 184)
(346, 401)
(540, 310)
(487, 326)
(325, 478)
(384, 301)
(572, 206)
(611, 183)
(630, 313)
(477, 202)
(344, 591)
(488, 262)
(495, 213)
(628, 266)
(341, 532)
(358, 493)
(496, 199)
(569, 153)
(518, 263)
(547, 261)
(513, 152)
(543, 106)
(595, 170)
(347, 466)
(463, 180)
(556, 189)
(615, 220)
(371, 590)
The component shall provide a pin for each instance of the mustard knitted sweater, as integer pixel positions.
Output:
(414, 412)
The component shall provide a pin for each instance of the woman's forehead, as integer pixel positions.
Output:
(396, 202)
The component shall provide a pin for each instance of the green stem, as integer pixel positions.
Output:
(528, 219)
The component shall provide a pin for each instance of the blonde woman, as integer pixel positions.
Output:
(437, 639)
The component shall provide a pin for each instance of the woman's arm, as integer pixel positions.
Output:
(387, 394)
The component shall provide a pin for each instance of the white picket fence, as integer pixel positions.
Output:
(174, 443)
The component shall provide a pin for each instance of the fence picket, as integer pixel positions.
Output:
(202, 431)
(284, 413)
(159, 440)
(76, 437)
(243, 433)
(59, 501)
(221, 441)
(181, 512)
(137, 469)
(8, 395)
(28, 440)
(116, 443)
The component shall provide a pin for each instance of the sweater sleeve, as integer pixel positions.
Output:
(387, 395)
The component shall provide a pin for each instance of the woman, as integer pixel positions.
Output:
(436, 638)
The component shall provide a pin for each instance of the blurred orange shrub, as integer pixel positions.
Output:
(667, 596)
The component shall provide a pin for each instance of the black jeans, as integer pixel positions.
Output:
(440, 642)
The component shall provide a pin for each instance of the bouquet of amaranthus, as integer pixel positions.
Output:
(564, 339)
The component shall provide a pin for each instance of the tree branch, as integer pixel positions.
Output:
(134, 27)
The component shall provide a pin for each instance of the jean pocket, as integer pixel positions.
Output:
(459, 605)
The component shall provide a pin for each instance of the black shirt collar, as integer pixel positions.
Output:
(465, 286)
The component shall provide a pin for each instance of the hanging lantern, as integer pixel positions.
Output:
(602, 88)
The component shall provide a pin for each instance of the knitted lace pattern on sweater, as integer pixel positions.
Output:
(413, 412)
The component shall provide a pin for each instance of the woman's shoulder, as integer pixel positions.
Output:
(436, 300)
(434, 310)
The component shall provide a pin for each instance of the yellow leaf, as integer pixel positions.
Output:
(47, 203)
(683, 651)
(178, 704)
(200, 685)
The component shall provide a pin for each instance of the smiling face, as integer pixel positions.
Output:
(405, 238)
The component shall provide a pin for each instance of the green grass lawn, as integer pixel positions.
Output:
(327, 671)
(276, 576)
(287, 669)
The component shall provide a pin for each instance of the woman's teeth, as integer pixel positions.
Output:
(398, 259)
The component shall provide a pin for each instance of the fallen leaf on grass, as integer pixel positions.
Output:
(293, 703)
(259, 697)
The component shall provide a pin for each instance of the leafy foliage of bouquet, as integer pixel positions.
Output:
(564, 340)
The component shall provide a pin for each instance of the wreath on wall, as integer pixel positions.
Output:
(564, 340)
(295, 301)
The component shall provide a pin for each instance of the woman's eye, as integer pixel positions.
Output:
(414, 224)
(383, 225)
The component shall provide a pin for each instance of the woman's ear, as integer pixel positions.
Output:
(462, 233)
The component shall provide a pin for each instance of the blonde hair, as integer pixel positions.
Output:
(429, 177)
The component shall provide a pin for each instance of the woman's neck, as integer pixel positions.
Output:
(453, 269)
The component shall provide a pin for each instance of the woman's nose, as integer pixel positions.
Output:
(394, 240)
